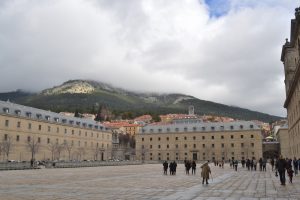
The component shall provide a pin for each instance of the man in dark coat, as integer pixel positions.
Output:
(165, 164)
(281, 167)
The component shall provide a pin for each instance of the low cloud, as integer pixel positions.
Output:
(230, 55)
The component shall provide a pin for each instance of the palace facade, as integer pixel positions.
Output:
(197, 140)
(290, 57)
(27, 132)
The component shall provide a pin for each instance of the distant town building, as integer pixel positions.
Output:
(142, 120)
(290, 57)
(46, 135)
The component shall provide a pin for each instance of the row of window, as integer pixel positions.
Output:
(29, 127)
(194, 137)
(55, 119)
(48, 141)
(212, 128)
(195, 146)
(213, 153)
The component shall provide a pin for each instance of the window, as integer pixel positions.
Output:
(39, 140)
(222, 145)
(212, 145)
(142, 139)
(18, 138)
(159, 139)
(57, 129)
(48, 140)
(252, 144)
(159, 130)
(28, 114)
(18, 124)
(185, 145)
(212, 137)
(185, 129)
(203, 137)
(231, 127)
(176, 146)
(184, 137)
(232, 144)
(203, 128)
(176, 129)
(150, 146)
(203, 145)
(5, 137)
(194, 146)
(167, 146)
(49, 128)
(212, 128)
(242, 144)
(241, 126)
(6, 123)
(151, 139)
(221, 128)
(168, 129)
(72, 132)
(231, 137)
(194, 138)
(159, 146)
(29, 125)
(143, 147)
(222, 136)
(176, 138)
(65, 131)
(167, 138)
(252, 136)
(194, 128)
(251, 126)
(242, 136)
(28, 139)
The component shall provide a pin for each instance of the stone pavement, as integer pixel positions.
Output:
(143, 182)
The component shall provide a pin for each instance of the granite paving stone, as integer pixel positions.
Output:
(144, 182)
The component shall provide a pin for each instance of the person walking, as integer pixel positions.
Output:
(295, 163)
(281, 167)
(194, 167)
(165, 165)
(205, 173)
(290, 173)
(272, 163)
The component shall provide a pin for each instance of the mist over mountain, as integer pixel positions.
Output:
(87, 95)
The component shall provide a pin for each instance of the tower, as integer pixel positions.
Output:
(191, 110)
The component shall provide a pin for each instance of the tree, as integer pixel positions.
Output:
(33, 145)
(59, 149)
(7, 146)
(69, 148)
(98, 117)
(52, 148)
(77, 114)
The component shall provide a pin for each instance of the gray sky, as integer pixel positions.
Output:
(217, 50)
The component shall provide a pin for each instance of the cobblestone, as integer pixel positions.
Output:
(143, 182)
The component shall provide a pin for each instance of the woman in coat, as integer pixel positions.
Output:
(205, 173)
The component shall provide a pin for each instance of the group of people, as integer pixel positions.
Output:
(286, 165)
(190, 165)
(205, 172)
(172, 166)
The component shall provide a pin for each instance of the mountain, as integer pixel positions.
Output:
(87, 96)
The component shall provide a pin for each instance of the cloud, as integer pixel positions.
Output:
(229, 53)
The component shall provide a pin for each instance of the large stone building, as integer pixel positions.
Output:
(199, 141)
(290, 57)
(27, 132)
(283, 137)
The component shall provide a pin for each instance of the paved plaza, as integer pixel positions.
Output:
(142, 182)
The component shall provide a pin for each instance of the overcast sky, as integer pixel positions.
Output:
(217, 50)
